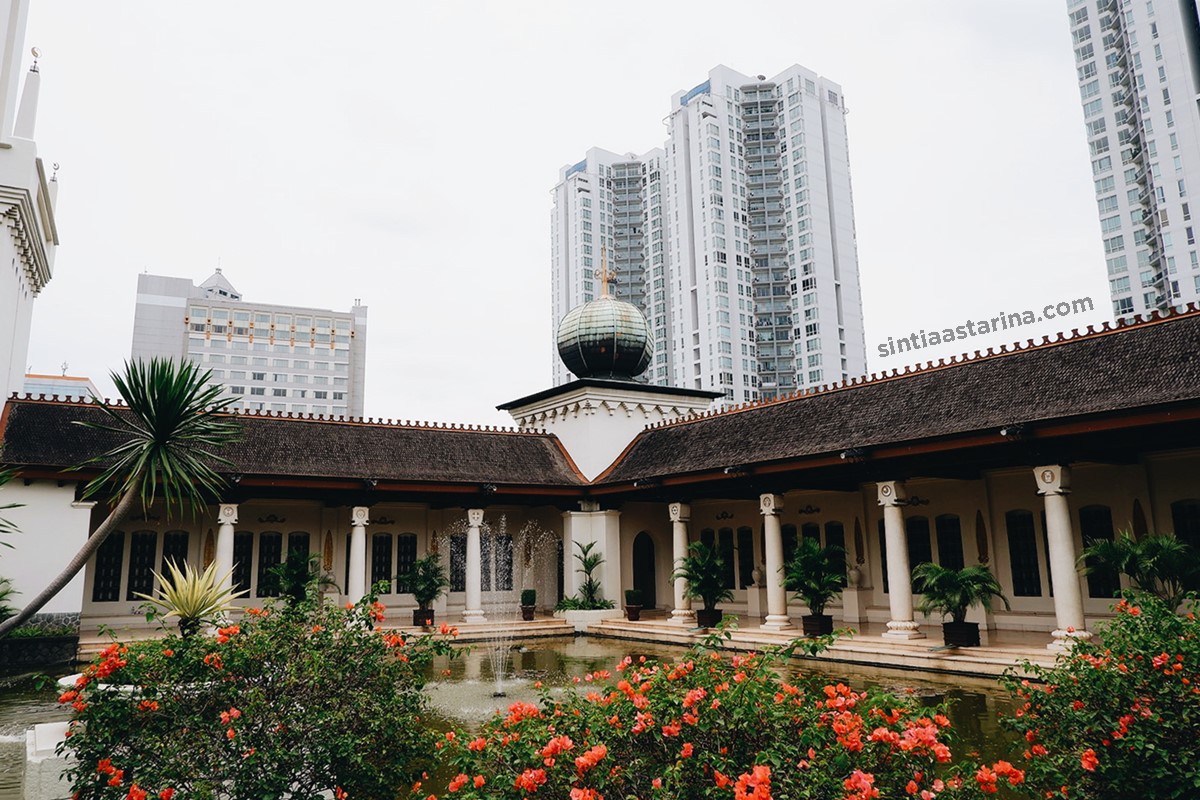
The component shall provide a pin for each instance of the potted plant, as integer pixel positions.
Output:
(528, 604)
(951, 592)
(427, 580)
(633, 604)
(704, 571)
(815, 574)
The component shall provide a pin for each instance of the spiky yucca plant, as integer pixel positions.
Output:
(193, 597)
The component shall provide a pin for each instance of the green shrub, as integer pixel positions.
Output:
(279, 705)
(1117, 717)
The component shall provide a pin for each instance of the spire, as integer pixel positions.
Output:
(27, 113)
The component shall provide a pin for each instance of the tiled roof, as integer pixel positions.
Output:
(42, 433)
(1114, 368)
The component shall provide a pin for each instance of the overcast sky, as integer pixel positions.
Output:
(404, 153)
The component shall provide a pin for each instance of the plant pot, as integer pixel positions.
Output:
(817, 624)
(423, 617)
(527, 613)
(633, 613)
(708, 617)
(960, 634)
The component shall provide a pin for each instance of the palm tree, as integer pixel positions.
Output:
(167, 427)
(1161, 565)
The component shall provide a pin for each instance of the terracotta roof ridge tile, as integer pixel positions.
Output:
(1106, 328)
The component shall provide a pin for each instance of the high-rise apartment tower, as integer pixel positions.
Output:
(1139, 81)
(736, 238)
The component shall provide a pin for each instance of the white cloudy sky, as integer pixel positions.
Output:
(404, 153)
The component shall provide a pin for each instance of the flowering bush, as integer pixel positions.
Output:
(1118, 717)
(288, 702)
(713, 726)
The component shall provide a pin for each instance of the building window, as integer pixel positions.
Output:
(175, 550)
(458, 562)
(920, 547)
(406, 554)
(1022, 554)
(835, 536)
(142, 547)
(1185, 514)
(243, 556)
(110, 558)
(270, 552)
(745, 545)
(949, 540)
(381, 560)
(1095, 523)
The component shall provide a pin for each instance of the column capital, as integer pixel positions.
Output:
(770, 504)
(891, 493)
(474, 517)
(679, 512)
(360, 516)
(227, 514)
(1052, 479)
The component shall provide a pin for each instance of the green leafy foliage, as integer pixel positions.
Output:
(953, 591)
(7, 527)
(426, 579)
(192, 597)
(704, 570)
(1165, 566)
(528, 597)
(1117, 717)
(816, 574)
(590, 596)
(6, 595)
(169, 431)
(291, 705)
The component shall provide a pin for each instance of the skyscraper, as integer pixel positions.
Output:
(270, 357)
(1139, 81)
(736, 238)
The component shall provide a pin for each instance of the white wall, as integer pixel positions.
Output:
(53, 528)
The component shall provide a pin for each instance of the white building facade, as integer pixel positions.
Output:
(1139, 81)
(748, 271)
(269, 357)
(27, 199)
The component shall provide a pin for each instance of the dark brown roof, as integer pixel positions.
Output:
(1112, 369)
(42, 433)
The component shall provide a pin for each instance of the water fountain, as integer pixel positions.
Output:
(508, 566)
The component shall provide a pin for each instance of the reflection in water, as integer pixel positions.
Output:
(465, 693)
(22, 705)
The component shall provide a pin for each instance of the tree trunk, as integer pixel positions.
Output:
(115, 518)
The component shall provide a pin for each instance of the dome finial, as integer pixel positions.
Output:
(604, 274)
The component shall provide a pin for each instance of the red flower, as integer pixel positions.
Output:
(530, 780)
(754, 785)
(136, 793)
(460, 780)
(1088, 760)
(166, 794)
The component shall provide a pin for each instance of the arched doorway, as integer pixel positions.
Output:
(643, 569)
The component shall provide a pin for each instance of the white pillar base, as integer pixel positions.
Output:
(683, 616)
(777, 622)
(474, 616)
(1063, 639)
(903, 629)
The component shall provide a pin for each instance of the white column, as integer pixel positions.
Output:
(899, 572)
(777, 617)
(1054, 484)
(226, 518)
(474, 610)
(356, 586)
(680, 513)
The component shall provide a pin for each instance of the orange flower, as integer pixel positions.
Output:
(687, 750)
(166, 794)
(1088, 760)
(460, 780)
(479, 781)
